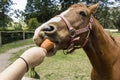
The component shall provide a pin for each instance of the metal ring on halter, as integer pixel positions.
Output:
(72, 33)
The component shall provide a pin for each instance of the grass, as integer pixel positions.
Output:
(16, 55)
(74, 66)
(15, 44)
(63, 67)
(116, 34)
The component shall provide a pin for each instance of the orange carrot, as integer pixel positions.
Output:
(47, 44)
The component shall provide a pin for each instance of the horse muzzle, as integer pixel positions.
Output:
(43, 32)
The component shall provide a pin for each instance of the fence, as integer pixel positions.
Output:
(10, 36)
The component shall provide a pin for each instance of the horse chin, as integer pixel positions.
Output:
(51, 52)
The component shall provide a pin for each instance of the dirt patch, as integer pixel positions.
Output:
(4, 57)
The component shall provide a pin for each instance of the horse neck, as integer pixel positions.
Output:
(99, 48)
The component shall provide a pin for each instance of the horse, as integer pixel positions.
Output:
(77, 28)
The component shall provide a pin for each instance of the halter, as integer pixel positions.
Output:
(74, 34)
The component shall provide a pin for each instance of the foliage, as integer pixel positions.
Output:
(105, 14)
(43, 10)
(4, 10)
(19, 14)
(115, 17)
(66, 3)
(11, 36)
(2, 28)
(33, 23)
(40, 9)
(14, 26)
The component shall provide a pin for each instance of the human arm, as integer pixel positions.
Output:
(33, 56)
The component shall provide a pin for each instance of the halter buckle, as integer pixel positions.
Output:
(72, 33)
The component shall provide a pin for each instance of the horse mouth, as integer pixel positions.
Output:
(50, 52)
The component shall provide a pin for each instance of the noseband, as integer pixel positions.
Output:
(74, 34)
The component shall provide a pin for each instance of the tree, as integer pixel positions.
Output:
(103, 14)
(66, 3)
(41, 9)
(115, 17)
(33, 23)
(19, 14)
(118, 23)
(4, 10)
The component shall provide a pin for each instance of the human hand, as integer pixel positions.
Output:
(34, 56)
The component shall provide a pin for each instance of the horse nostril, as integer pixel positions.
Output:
(49, 29)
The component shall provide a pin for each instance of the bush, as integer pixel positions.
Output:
(33, 23)
(10, 36)
(2, 29)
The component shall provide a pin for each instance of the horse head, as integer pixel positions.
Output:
(70, 27)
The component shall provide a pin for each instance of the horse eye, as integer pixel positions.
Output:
(82, 13)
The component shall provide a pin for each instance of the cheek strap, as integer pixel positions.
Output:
(74, 34)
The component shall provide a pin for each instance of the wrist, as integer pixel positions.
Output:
(26, 63)
(34, 56)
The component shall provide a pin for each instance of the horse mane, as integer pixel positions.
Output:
(109, 34)
(112, 38)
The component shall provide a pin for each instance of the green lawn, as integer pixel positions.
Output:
(74, 66)
(65, 67)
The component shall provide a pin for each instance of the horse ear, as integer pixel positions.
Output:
(93, 8)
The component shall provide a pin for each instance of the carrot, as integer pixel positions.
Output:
(47, 44)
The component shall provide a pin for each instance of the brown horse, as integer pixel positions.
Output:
(76, 27)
